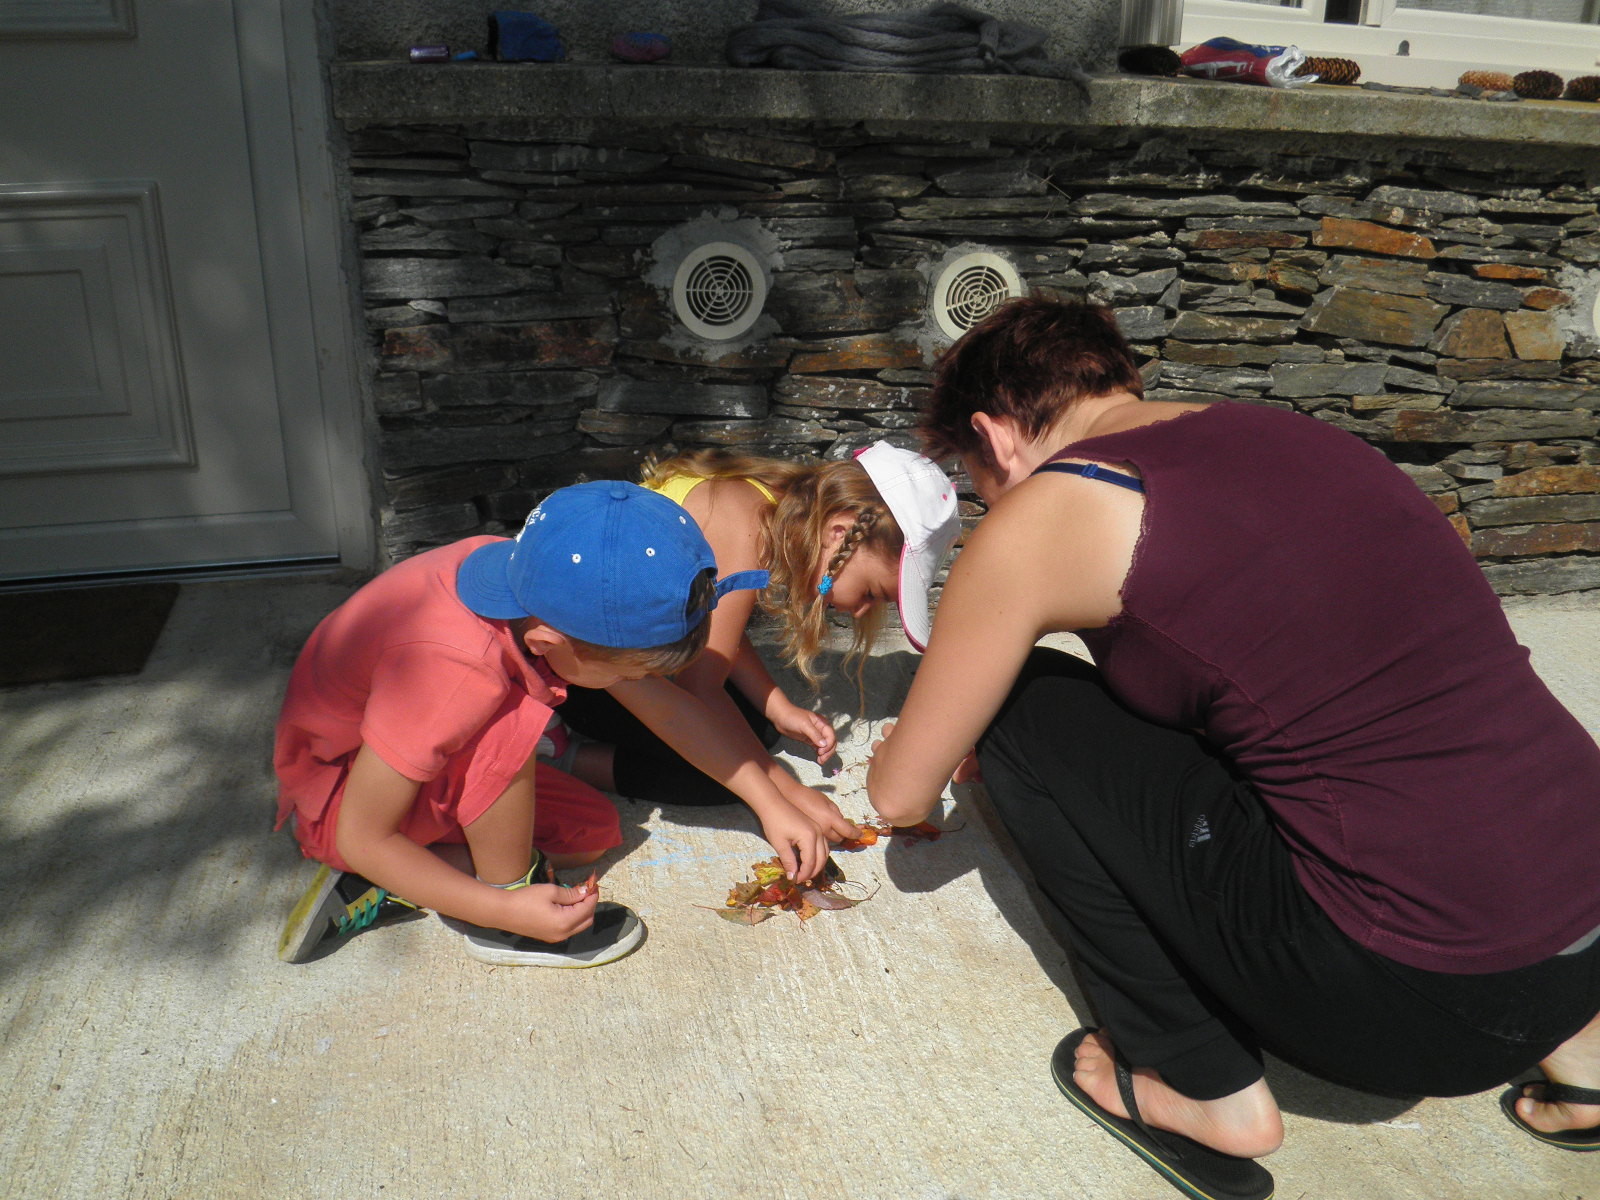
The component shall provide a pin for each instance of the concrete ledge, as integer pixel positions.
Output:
(396, 93)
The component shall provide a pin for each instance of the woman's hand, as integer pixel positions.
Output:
(802, 725)
(802, 848)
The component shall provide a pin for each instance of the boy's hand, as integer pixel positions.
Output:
(550, 912)
(822, 811)
(802, 725)
(802, 850)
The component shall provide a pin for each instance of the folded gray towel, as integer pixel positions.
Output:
(946, 38)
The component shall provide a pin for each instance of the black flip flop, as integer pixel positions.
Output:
(1554, 1093)
(1195, 1170)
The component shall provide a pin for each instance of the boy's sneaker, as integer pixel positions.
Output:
(617, 931)
(336, 905)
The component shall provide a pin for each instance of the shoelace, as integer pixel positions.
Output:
(363, 910)
(367, 908)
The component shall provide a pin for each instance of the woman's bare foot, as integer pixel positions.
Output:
(1246, 1124)
(1575, 1062)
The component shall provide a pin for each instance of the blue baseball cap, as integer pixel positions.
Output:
(607, 562)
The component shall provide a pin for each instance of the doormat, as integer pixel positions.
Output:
(80, 633)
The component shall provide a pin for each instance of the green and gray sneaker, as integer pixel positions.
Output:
(617, 931)
(338, 904)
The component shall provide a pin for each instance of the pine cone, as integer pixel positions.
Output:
(1342, 71)
(1584, 87)
(1537, 85)
(1486, 81)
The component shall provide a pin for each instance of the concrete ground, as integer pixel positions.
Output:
(154, 1047)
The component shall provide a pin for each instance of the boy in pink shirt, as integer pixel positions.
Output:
(413, 714)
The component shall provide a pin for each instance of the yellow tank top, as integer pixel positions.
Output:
(679, 487)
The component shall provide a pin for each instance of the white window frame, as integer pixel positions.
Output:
(1440, 45)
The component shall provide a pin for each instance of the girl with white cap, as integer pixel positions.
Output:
(839, 536)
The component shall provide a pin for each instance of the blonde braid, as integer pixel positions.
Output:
(792, 549)
(865, 520)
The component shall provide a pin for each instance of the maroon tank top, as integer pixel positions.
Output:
(1296, 597)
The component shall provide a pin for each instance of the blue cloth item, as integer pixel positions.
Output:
(607, 562)
(524, 37)
(1094, 471)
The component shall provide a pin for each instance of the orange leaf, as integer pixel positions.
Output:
(869, 837)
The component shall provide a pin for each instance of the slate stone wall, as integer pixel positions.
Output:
(1437, 305)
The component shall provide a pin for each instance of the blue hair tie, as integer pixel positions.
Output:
(825, 586)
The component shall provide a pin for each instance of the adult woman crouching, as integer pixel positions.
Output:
(1311, 797)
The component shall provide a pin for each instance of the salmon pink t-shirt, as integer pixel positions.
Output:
(444, 696)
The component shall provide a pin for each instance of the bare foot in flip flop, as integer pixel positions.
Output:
(1246, 1123)
(1576, 1063)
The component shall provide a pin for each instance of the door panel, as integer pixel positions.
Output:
(144, 400)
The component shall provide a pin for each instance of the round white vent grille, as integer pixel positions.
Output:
(718, 291)
(971, 288)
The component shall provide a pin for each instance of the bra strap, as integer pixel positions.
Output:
(1095, 471)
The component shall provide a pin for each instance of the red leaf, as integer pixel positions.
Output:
(829, 900)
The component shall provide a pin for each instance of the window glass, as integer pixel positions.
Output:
(1579, 11)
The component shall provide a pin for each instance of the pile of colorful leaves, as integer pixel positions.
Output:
(871, 831)
(772, 891)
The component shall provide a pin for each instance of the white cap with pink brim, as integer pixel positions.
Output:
(922, 500)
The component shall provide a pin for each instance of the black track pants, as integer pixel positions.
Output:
(646, 768)
(1197, 944)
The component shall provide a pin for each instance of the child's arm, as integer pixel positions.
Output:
(798, 821)
(732, 515)
(704, 679)
(750, 675)
(367, 835)
(1033, 566)
(707, 687)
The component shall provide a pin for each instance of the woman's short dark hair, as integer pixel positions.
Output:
(1029, 360)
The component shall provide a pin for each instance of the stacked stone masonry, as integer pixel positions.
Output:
(524, 337)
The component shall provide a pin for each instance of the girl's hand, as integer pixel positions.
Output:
(802, 725)
(801, 847)
(549, 912)
(821, 811)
